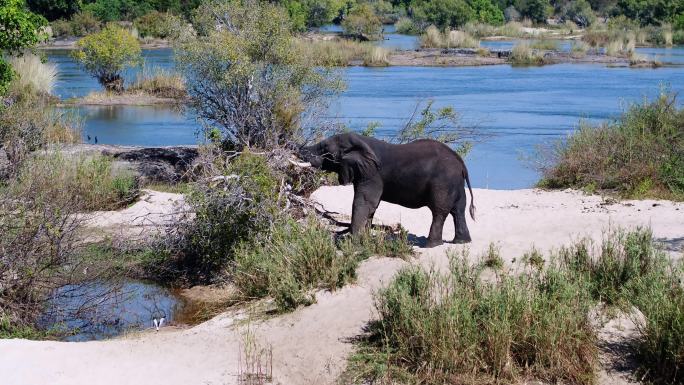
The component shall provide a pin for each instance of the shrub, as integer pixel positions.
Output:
(406, 26)
(362, 22)
(292, 261)
(544, 44)
(487, 12)
(116, 10)
(28, 124)
(579, 12)
(84, 23)
(435, 328)
(106, 54)
(32, 72)
(158, 24)
(535, 10)
(92, 182)
(638, 154)
(444, 13)
(61, 28)
(579, 49)
(250, 80)
(512, 14)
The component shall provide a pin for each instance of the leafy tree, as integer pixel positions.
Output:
(54, 9)
(651, 11)
(487, 12)
(106, 54)
(115, 10)
(19, 29)
(536, 10)
(248, 78)
(580, 12)
(363, 22)
(444, 13)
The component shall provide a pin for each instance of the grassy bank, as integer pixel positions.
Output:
(435, 328)
(637, 155)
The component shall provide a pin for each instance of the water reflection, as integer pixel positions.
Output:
(96, 310)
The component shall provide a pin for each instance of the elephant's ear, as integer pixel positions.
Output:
(358, 161)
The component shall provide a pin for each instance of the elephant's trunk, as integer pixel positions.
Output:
(299, 164)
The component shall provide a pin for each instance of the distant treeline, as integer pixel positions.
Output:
(306, 14)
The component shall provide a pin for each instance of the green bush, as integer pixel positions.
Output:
(106, 54)
(579, 12)
(158, 24)
(444, 13)
(19, 29)
(116, 10)
(639, 154)
(487, 12)
(362, 22)
(227, 213)
(434, 329)
(406, 26)
(84, 23)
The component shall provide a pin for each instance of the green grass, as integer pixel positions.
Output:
(301, 257)
(454, 328)
(638, 155)
(523, 54)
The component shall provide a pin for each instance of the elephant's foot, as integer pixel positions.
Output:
(433, 243)
(462, 239)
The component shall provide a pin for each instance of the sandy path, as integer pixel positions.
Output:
(310, 344)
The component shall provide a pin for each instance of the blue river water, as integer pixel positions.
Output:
(520, 107)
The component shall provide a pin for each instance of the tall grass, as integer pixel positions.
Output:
(376, 57)
(300, 257)
(336, 53)
(31, 71)
(433, 38)
(92, 181)
(522, 54)
(480, 30)
(545, 44)
(160, 82)
(454, 328)
(638, 154)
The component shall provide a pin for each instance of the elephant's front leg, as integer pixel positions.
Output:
(366, 200)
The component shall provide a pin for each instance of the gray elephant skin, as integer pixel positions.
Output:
(417, 174)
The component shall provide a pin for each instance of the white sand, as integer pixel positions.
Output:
(310, 344)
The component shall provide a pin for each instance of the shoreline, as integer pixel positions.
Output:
(311, 344)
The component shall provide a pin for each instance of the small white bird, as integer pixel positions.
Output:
(158, 323)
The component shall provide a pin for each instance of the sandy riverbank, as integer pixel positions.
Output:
(310, 345)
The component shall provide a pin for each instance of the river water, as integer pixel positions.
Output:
(521, 107)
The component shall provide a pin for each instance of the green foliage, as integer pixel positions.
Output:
(295, 259)
(643, 145)
(19, 29)
(651, 12)
(406, 26)
(444, 13)
(114, 10)
(251, 79)
(579, 12)
(313, 13)
(455, 328)
(84, 23)
(443, 125)
(54, 9)
(106, 54)
(157, 24)
(362, 22)
(536, 10)
(487, 12)
(228, 212)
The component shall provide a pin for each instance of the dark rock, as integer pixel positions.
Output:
(152, 164)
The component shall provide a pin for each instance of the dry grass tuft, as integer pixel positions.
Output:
(31, 71)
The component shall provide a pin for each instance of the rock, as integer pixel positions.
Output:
(152, 164)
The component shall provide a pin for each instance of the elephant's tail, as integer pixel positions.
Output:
(471, 209)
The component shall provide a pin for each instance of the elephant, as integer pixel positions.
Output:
(422, 173)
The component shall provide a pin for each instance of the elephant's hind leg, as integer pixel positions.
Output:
(435, 237)
(460, 225)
